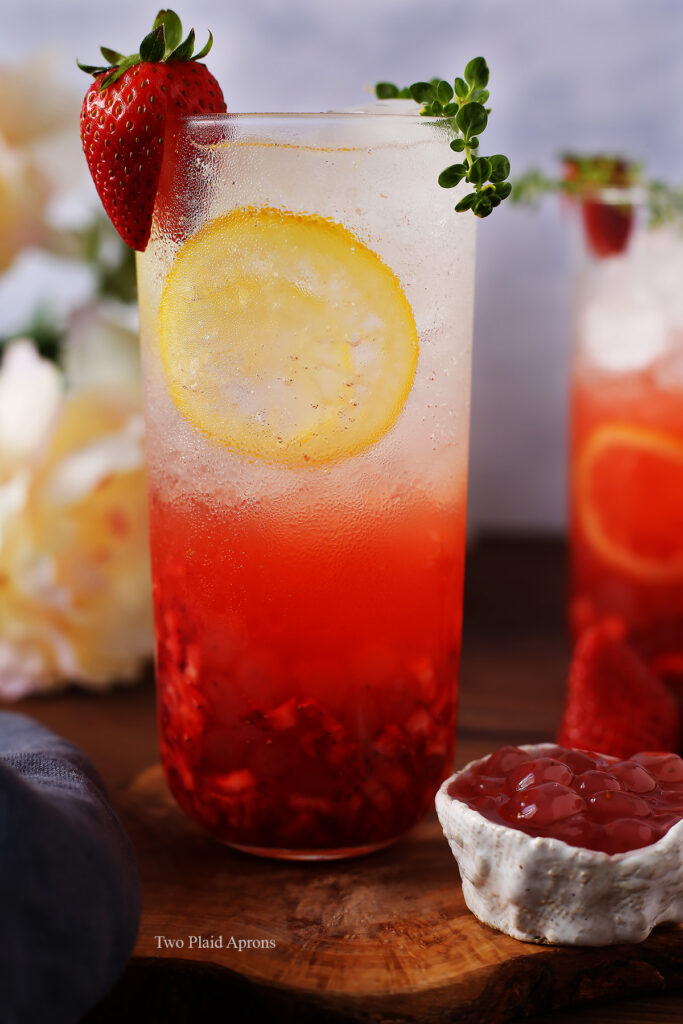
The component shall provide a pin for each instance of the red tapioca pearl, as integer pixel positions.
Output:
(629, 834)
(595, 781)
(610, 805)
(462, 786)
(578, 760)
(669, 800)
(633, 777)
(485, 784)
(542, 805)
(605, 761)
(503, 761)
(665, 817)
(575, 830)
(532, 773)
(491, 802)
(663, 767)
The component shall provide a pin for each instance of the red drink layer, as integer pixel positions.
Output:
(585, 799)
(307, 666)
(627, 513)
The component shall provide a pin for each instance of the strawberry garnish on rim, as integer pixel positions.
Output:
(615, 703)
(126, 115)
(607, 225)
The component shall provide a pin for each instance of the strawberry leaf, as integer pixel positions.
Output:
(172, 27)
(91, 69)
(205, 48)
(112, 57)
(184, 51)
(153, 46)
(115, 73)
(163, 43)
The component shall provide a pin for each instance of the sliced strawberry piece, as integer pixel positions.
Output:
(615, 703)
(128, 113)
(607, 226)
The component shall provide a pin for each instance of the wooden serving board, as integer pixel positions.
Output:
(386, 938)
(380, 938)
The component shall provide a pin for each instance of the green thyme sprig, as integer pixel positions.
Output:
(461, 105)
(589, 175)
(665, 204)
(582, 175)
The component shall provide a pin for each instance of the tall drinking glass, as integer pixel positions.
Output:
(306, 306)
(627, 440)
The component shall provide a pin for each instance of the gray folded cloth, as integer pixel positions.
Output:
(69, 885)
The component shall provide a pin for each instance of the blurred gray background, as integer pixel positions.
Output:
(584, 74)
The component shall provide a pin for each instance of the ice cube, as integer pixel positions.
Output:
(622, 336)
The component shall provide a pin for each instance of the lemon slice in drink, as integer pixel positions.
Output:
(284, 338)
(630, 500)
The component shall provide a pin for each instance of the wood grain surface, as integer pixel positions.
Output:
(385, 938)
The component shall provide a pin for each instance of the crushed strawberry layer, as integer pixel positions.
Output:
(309, 705)
(585, 799)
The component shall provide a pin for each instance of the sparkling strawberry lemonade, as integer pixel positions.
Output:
(306, 307)
(627, 448)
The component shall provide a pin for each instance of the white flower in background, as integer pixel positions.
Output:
(40, 159)
(75, 598)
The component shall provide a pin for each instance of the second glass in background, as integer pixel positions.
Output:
(627, 439)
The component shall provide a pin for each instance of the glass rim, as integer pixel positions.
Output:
(327, 115)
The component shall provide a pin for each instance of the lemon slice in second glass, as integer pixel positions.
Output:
(283, 337)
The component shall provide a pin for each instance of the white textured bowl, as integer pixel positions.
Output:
(543, 890)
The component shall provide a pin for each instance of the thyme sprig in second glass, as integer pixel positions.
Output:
(461, 105)
(588, 175)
